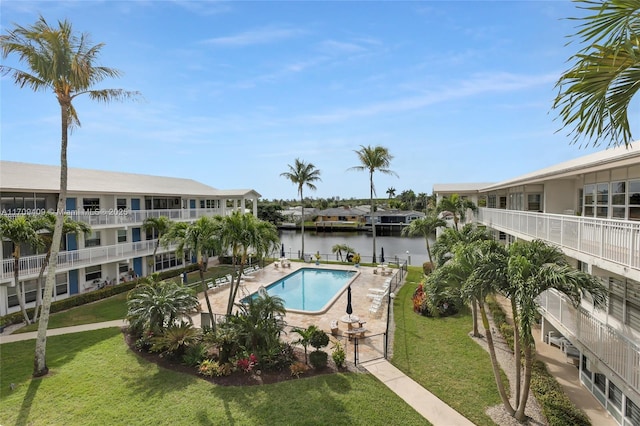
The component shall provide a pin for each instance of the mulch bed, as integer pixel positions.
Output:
(237, 378)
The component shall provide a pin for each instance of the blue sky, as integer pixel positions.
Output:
(234, 92)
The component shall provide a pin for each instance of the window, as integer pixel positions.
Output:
(600, 380)
(634, 199)
(121, 203)
(632, 412)
(92, 273)
(91, 204)
(61, 284)
(122, 235)
(123, 268)
(618, 199)
(602, 200)
(166, 261)
(589, 200)
(615, 395)
(503, 202)
(92, 240)
(534, 202)
(491, 202)
(202, 204)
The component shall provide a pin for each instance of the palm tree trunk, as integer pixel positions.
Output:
(205, 288)
(302, 218)
(474, 317)
(19, 286)
(155, 250)
(45, 262)
(373, 222)
(494, 361)
(433, 266)
(528, 361)
(516, 350)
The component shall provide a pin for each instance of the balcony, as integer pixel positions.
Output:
(610, 348)
(30, 265)
(113, 217)
(615, 241)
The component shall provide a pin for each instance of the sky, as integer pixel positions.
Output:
(233, 92)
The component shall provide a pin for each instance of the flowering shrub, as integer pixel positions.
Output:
(419, 299)
(247, 364)
(211, 368)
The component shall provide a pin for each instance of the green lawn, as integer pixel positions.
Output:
(439, 354)
(96, 380)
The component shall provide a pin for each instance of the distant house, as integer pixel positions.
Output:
(341, 215)
(394, 217)
(294, 214)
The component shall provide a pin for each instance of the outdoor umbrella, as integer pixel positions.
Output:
(282, 251)
(349, 307)
(381, 254)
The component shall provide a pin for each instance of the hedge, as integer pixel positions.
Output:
(92, 296)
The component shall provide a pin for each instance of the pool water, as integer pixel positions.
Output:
(311, 290)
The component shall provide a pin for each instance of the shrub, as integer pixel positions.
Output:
(318, 359)
(339, 356)
(298, 368)
(194, 355)
(277, 359)
(318, 339)
(247, 364)
(427, 268)
(144, 342)
(175, 340)
(212, 368)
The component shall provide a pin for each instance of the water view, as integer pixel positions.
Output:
(394, 246)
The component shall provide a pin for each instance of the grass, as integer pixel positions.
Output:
(96, 380)
(439, 354)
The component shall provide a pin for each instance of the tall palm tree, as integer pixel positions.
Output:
(64, 63)
(47, 222)
(458, 206)
(391, 191)
(239, 233)
(594, 94)
(158, 226)
(21, 231)
(424, 227)
(423, 201)
(199, 237)
(373, 159)
(302, 174)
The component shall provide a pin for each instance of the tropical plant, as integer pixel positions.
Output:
(199, 237)
(391, 191)
(408, 198)
(240, 233)
(305, 338)
(595, 93)
(20, 230)
(157, 226)
(356, 258)
(457, 206)
(64, 63)
(318, 359)
(339, 356)
(302, 174)
(158, 306)
(424, 227)
(259, 324)
(373, 159)
(175, 339)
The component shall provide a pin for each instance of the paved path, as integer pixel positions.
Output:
(64, 330)
(423, 401)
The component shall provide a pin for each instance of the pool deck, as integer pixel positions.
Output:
(375, 323)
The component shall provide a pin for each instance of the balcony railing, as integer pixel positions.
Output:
(30, 265)
(617, 241)
(107, 217)
(612, 349)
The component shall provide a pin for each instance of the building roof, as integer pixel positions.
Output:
(28, 177)
(401, 213)
(341, 211)
(460, 187)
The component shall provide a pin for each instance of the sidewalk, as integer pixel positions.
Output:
(64, 330)
(423, 401)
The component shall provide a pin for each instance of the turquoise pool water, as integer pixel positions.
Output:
(310, 289)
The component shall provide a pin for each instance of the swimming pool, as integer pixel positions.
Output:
(311, 290)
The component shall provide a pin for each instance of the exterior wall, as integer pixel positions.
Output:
(561, 196)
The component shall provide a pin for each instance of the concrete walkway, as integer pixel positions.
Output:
(423, 401)
(64, 330)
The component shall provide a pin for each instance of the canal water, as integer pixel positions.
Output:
(393, 245)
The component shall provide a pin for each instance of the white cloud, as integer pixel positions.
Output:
(255, 36)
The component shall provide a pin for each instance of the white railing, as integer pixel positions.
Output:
(612, 349)
(617, 241)
(108, 217)
(30, 265)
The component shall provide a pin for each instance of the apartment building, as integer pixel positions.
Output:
(115, 206)
(590, 208)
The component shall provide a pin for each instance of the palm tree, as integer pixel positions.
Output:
(302, 174)
(157, 226)
(458, 206)
(424, 227)
(260, 323)
(199, 237)
(157, 306)
(373, 159)
(20, 230)
(423, 201)
(305, 338)
(533, 268)
(239, 233)
(391, 191)
(595, 93)
(339, 248)
(64, 63)
(47, 222)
